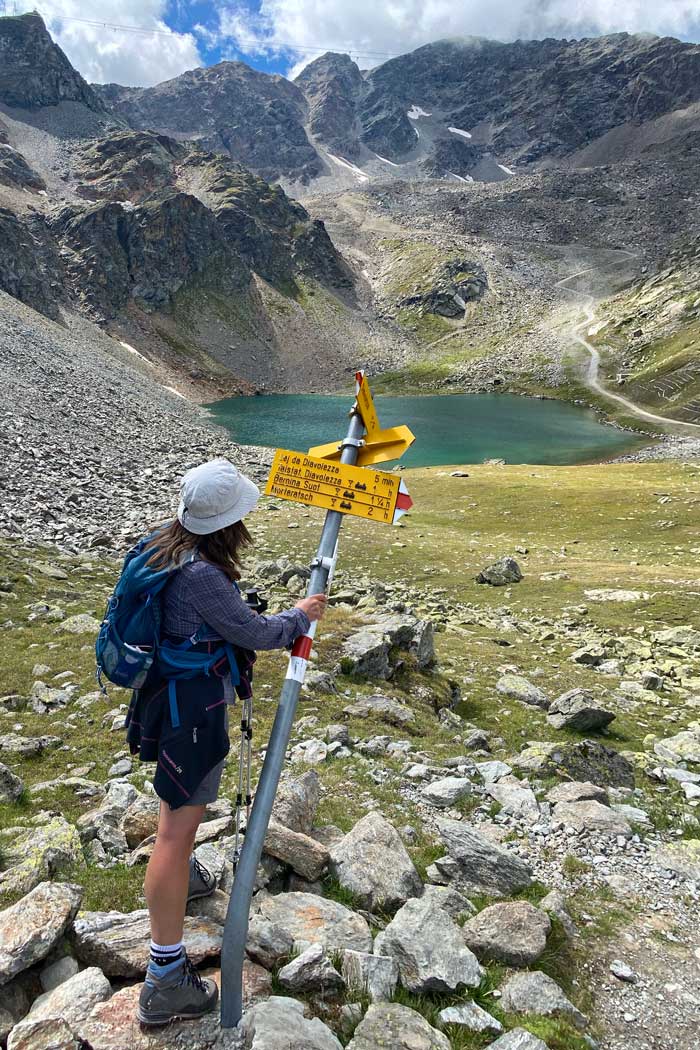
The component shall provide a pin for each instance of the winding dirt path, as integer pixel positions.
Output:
(579, 332)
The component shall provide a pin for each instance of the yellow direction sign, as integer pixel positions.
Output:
(386, 444)
(373, 494)
(365, 406)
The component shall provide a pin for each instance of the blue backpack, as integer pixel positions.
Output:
(128, 647)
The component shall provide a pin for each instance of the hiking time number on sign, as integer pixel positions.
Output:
(373, 494)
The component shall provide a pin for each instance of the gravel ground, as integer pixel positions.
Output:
(89, 438)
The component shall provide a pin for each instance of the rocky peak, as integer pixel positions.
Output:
(255, 118)
(34, 71)
(332, 85)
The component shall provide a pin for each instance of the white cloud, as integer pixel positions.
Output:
(368, 30)
(105, 55)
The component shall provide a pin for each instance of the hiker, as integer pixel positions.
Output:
(181, 722)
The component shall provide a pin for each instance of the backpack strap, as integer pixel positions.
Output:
(172, 700)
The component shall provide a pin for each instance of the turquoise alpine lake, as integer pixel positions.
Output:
(449, 428)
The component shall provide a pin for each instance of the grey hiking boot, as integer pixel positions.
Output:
(181, 994)
(202, 882)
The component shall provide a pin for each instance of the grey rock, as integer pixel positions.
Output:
(516, 687)
(585, 760)
(428, 948)
(311, 972)
(577, 709)
(118, 942)
(73, 999)
(279, 1024)
(34, 854)
(11, 786)
(57, 972)
(398, 1027)
(501, 573)
(514, 798)
(309, 919)
(536, 993)
(30, 928)
(51, 1034)
(555, 905)
(27, 746)
(592, 818)
(449, 899)
(303, 854)
(372, 862)
(296, 802)
(122, 768)
(268, 944)
(491, 772)
(575, 791)
(514, 933)
(482, 866)
(372, 975)
(446, 792)
(518, 1039)
(382, 707)
(623, 971)
(469, 1015)
(682, 858)
(683, 747)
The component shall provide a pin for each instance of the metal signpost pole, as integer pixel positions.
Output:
(236, 928)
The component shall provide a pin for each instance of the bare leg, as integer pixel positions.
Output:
(167, 876)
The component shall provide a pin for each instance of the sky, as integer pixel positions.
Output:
(146, 41)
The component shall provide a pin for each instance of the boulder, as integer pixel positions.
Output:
(11, 786)
(141, 819)
(684, 637)
(48, 1034)
(382, 707)
(268, 944)
(482, 866)
(492, 771)
(372, 975)
(592, 818)
(372, 862)
(578, 710)
(30, 928)
(682, 858)
(585, 760)
(514, 798)
(446, 792)
(518, 1039)
(74, 999)
(310, 973)
(312, 752)
(429, 949)
(27, 746)
(555, 905)
(280, 1024)
(304, 855)
(56, 973)
(514, 933)
(388, 1025)
(535, 993)
(501, 573)
(516, 687)
(119, 942)
(470, 1016)
(296, 802)
(34, 854)
(450, 900)
(81, 623)
(368, 652)
(309, 919)
(683, 747)
(577, 791)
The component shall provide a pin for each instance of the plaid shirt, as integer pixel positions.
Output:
(201, 594)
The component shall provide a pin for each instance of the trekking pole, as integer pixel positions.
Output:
(236, 927)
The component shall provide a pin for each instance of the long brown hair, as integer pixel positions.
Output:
(223, 547)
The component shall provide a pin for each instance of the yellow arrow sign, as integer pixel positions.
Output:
(365, 405)
(386, 444)
(373, 494)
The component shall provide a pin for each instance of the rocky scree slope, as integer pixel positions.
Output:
(453, 109)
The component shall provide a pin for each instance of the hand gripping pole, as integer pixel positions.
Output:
(236, 928)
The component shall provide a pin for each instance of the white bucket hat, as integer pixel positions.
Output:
(213, 496)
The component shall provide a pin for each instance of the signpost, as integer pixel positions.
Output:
(336, 483)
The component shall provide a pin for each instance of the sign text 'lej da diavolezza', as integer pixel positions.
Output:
(373, 494)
